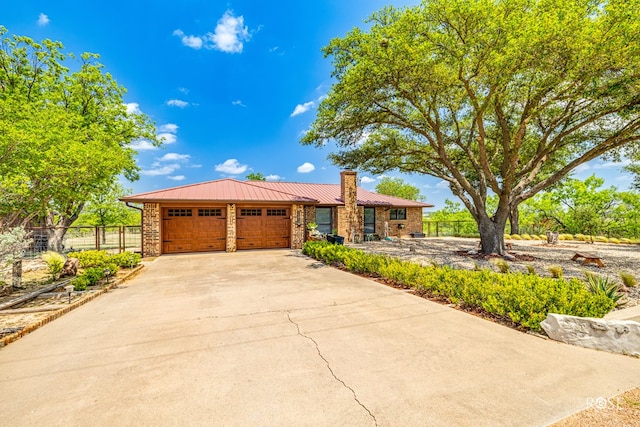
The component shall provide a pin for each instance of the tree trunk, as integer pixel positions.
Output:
(492, 235)
(104, 234)
(57, 232)
(16, 276)
(514, 220)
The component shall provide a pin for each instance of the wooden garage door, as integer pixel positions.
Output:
(193, 229)
(263, 227)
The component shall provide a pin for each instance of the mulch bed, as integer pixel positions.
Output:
(516, 256)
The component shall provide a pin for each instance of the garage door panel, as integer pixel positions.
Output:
(263, 228)
(194, 229)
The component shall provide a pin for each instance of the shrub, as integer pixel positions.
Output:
(614, 240)
(599, 285)
(525, 237)
(80, 283)
(55, 263)
(126, 259)
(556, 271)
(531, 269)
(524, 299)
(93, 275)
(628, 280)
(626, 241)
(503, 266)
(516, 237)
(601, 239)
(89, 259)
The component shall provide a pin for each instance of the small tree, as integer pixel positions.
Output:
(256, 176)
(397, 187)
(13, 244)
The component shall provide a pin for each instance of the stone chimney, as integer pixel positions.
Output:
(349, 221)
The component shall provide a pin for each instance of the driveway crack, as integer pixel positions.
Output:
(333, 374)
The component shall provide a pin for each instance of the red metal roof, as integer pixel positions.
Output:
(231, 190)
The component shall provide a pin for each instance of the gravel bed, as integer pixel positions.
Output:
(447, 251)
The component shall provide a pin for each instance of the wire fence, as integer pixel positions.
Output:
(113, 239)
(470, 229)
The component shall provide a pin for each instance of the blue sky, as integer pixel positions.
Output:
(230, 85)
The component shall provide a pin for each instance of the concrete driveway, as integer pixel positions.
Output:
(274, 338)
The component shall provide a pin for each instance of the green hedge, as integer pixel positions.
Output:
(102, 259)
(522, 298)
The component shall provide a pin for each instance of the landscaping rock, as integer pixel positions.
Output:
(615, 336)
(70, 267)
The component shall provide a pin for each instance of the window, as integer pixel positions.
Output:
(209, 212)
(323, 219)
(178, 212)
(250, 212)
(276, 212)
(398, 213)
(369, 220)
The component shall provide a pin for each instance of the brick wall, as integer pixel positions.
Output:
(151, 238)
(412, 224)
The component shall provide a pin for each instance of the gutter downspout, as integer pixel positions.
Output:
(141, 226)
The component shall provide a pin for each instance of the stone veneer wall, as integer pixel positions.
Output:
(298, 225)
(350, 216)
(151, 237)
(231, 227)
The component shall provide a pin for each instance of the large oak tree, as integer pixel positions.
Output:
(493, 96)
(65, 134)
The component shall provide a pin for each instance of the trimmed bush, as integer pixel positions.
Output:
(614, 240)
(628, 280)
(525, 237)
(126, 259)
(89, 259)
(524, 299)
(80, 283)
(516, 237)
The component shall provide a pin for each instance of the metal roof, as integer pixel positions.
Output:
(231, 190)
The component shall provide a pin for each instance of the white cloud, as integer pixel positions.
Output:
(273, 177)
(306, 167)
(183, 90)
(167, 138)
(609, 165)
(177, 103)
(442, 184)
(169, 127)
(133, 108)
(581, 168)
(302, 108)
(158, 171)
(232, 167)
(43, 19)
(238, 103)
(367, 180)
(230, 33)
(624, 178)
(194, 42)
(174, 157)
(142, 145)
(177, 177)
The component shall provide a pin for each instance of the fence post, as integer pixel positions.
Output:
(97, 236)
(437, 228)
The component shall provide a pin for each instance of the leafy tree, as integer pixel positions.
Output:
(64, 136)
(105, 209)
(398, 188)
(256, 176)
(485, 95)
(578, 206)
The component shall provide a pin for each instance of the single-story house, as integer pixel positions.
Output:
(228, 215)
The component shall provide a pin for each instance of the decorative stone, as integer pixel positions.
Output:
(615, 336)
(552, 237)
(70, 267)
(509, 257)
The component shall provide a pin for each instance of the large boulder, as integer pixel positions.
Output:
(70, 267)
(616, 336)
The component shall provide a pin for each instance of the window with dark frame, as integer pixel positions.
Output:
(324, 220)
(210, 212)
(250, 212)
(369, 220)
(399, 213)
(173, 212)
(276, 212)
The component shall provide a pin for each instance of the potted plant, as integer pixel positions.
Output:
(312, 227)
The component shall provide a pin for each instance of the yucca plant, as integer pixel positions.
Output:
(556, 271)
(628, 280)
(605, 286)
